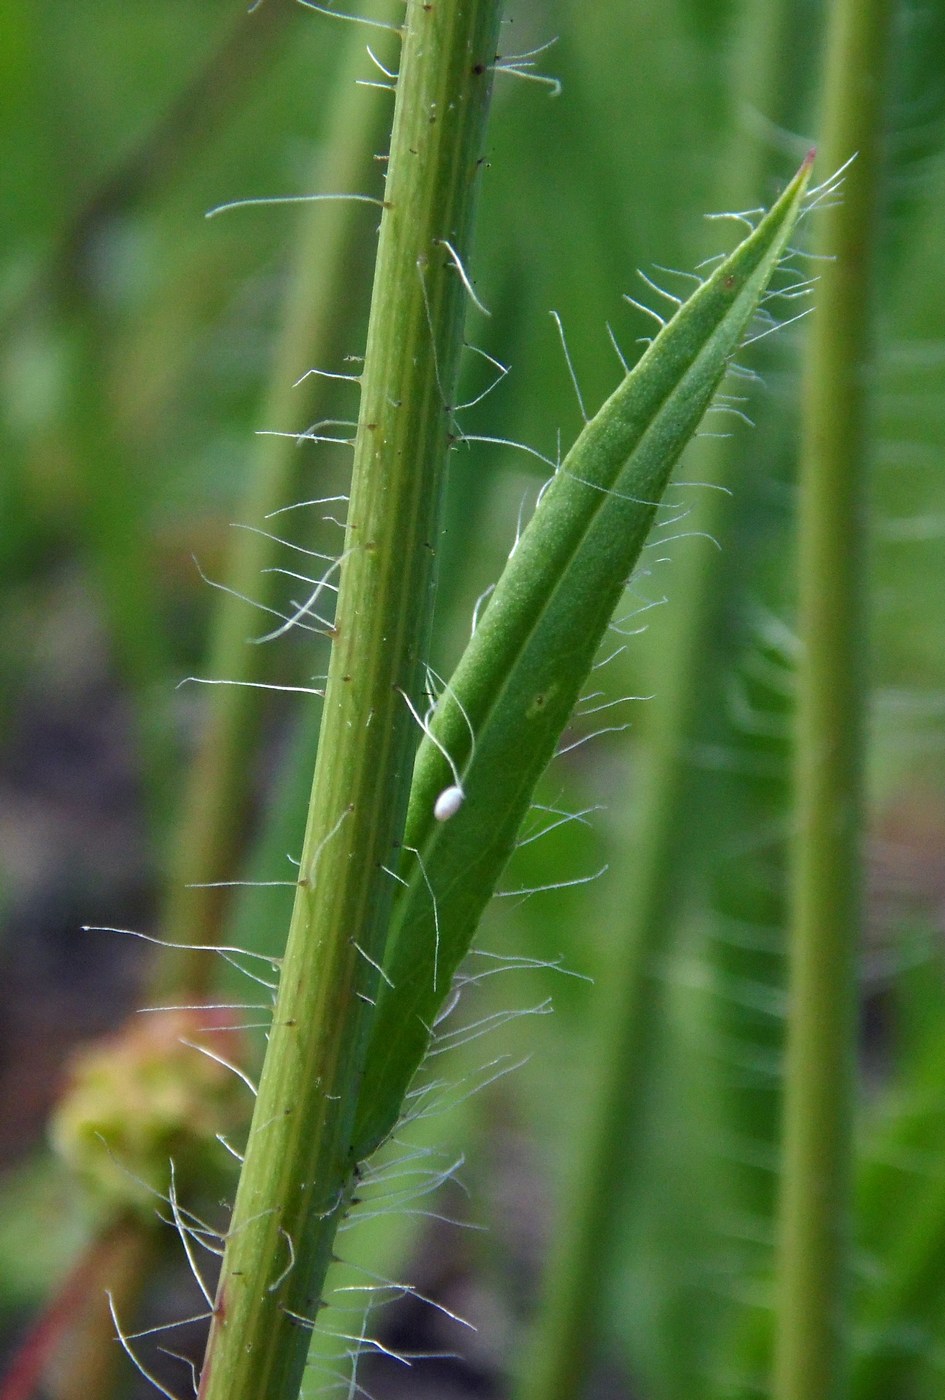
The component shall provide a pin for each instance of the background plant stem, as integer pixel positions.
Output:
(556, 1363)
(812, 1326)
(327, 256)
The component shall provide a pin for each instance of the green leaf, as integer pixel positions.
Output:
(504, 709)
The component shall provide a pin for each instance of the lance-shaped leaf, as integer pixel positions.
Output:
(500, 717)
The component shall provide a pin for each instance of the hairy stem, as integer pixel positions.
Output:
(298, 1169)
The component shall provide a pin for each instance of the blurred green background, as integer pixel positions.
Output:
(138, 340)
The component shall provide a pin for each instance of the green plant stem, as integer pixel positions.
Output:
(557, 1360)
(328, 255)
(297, 1174)
(812, 1324)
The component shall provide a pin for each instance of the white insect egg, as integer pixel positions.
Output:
(449, 802)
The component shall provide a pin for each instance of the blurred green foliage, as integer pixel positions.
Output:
(137, 338)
